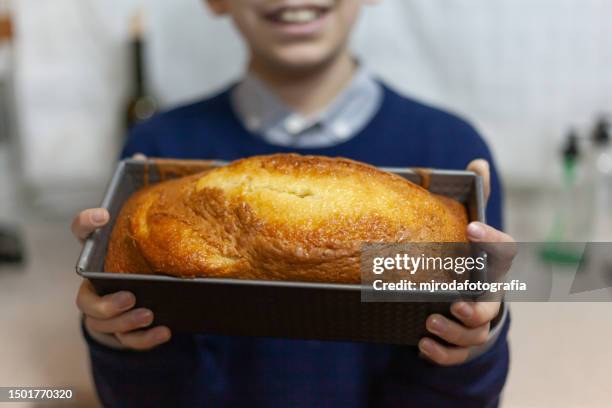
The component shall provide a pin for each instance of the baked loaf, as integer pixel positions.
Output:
(279, 217)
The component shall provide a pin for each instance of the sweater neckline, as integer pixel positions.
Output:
(364, 132)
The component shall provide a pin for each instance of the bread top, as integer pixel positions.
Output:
(281, 217)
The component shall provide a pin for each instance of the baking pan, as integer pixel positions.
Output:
(298, 310)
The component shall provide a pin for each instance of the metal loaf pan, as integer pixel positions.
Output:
(296, 310)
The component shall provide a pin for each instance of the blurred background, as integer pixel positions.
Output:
(534, 76)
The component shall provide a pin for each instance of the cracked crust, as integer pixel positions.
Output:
(278, 217)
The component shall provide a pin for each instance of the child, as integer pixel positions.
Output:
(303, 92)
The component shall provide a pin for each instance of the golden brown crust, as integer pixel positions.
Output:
(278, 217)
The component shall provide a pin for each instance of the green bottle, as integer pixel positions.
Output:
(572, 221)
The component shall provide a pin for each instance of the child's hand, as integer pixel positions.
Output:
(111, 319)
(475, 317)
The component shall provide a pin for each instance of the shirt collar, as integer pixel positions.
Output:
(265, 115)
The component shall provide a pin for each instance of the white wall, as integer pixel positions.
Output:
(522, 70)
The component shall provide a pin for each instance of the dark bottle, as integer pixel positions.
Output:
(6, 22)
(6, 69)
(11, 247)
(601, 133)
(141, 104)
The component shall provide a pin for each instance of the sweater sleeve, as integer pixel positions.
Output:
(159, 377)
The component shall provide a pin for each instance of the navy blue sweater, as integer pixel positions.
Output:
(219, 371)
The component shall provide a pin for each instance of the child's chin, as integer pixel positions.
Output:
(303, 57)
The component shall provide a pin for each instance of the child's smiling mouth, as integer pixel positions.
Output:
(297, 15)
(293, 18)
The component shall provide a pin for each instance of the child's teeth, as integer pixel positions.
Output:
(298, 16)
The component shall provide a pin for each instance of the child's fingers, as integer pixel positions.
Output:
(442, 355)
(126, 322)
(88, 221)
(501, 249)
(104, 307)
(481, 167)
(475, 314)
(145, 339)
(456, 333)
(479, 232)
